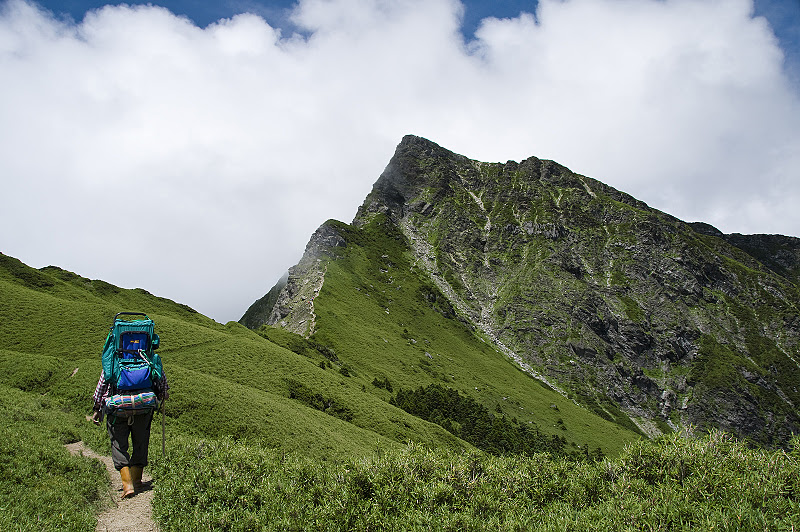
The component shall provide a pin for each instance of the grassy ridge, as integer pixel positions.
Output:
(713, 483)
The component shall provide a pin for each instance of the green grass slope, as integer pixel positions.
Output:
(389, 325)
(226, 380)
(42, 487)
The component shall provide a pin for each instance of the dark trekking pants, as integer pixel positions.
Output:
(138, 429)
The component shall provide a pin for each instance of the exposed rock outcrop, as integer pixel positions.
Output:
(290, 304)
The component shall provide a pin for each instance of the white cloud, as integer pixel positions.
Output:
(229, 145)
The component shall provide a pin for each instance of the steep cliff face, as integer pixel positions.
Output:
(626, 309)
(290, 303)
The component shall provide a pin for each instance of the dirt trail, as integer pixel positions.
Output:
(127, 515)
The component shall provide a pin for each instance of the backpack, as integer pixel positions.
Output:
(129, 359)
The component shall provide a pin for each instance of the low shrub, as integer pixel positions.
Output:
(670, 484)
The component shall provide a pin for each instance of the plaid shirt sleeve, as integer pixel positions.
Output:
(101, 392)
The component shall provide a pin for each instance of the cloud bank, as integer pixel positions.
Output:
(196, 162)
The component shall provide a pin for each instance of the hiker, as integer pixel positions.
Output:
(137, 427)
(131, 388)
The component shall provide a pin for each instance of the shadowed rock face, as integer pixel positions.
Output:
(289, 304)
(628, 310)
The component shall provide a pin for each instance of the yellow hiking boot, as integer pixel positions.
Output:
(136, 477)
(127, 482)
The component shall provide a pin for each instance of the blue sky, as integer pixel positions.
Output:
(236, 132)
(783, 16)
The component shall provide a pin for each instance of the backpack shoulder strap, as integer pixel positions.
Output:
(157, 367)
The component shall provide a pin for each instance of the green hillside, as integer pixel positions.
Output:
(391, 326)
(226, 380)
(318, 396)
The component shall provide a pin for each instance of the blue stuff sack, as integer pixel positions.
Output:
(134, 377)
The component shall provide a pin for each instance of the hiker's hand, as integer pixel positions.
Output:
(96, 417)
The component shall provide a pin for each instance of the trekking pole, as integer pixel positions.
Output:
(163, 428)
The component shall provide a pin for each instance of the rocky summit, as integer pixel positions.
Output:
(628, 311)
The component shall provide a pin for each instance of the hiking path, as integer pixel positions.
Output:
(126, 515)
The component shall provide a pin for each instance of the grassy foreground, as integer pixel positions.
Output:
(714, 483)
(43, 487)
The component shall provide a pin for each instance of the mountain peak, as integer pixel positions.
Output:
(647, 320)
(406, 174)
